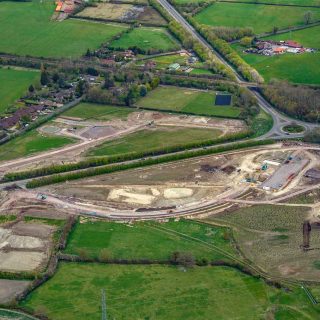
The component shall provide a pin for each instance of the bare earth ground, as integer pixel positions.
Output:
(122, 12)
(183, 182)
(233, 179)
(24, 246)
(92, 133)
(9, 289)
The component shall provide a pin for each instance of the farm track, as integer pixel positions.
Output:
(250, 266)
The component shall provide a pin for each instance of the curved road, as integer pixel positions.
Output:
(279, 120)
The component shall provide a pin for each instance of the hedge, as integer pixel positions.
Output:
(96, 162)
(58, 178)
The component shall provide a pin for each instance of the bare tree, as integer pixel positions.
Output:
(307, 17)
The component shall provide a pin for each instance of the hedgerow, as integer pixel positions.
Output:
(96, 162)
(58, 178)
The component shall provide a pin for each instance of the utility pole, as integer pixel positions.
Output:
(103, 305)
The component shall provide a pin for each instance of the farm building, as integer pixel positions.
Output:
(293, 44)
(278, 50)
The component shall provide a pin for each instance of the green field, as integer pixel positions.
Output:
(164, 292)
(30, 143)
(152, 241)
(271, 237)
(261, 123)
(262, 18)
(186, 100)
(150, 140)
(291, 2)
(86, 111)
(14, 84)
(26, 29)
(146, 39)
(297, 68)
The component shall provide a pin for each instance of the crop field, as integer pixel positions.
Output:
(14, 83)
(262, 18)
(149, 140)
(112, 11)
(151, 241)
(186, 100)
(271, 236)
(30, 143)
(163, 292)
(101, 112)
(146, 39)
(297, 68)
(26, 29)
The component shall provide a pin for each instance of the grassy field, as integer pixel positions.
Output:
(146, 39)
(306, 198)
(163, 62)
(262, 18)
(271, 236)
(164, 292)
(186, 100)
(14, 83)
(147, 240)
(148, 140)
(262, 123)
(291, 2)
(30, 143)
(298, 68)
(26, 29)
(86, 111)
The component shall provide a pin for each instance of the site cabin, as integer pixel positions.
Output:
(223, 99)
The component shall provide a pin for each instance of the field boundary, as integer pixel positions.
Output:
(270, 4)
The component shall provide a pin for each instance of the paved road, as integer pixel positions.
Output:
(279, 120)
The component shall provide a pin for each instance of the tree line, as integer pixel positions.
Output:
(246, 71)
(300, 102)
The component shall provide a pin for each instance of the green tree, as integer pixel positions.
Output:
(143, 91)
(31, 88)
(246, 41)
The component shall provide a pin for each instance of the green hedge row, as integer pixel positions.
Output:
(141, 163)
(189, 42)
(96, 162)
(246, 71)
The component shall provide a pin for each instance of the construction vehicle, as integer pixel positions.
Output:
(41, 196)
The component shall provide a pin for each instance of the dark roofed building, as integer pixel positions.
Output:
(223, 99)
(9, 122)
